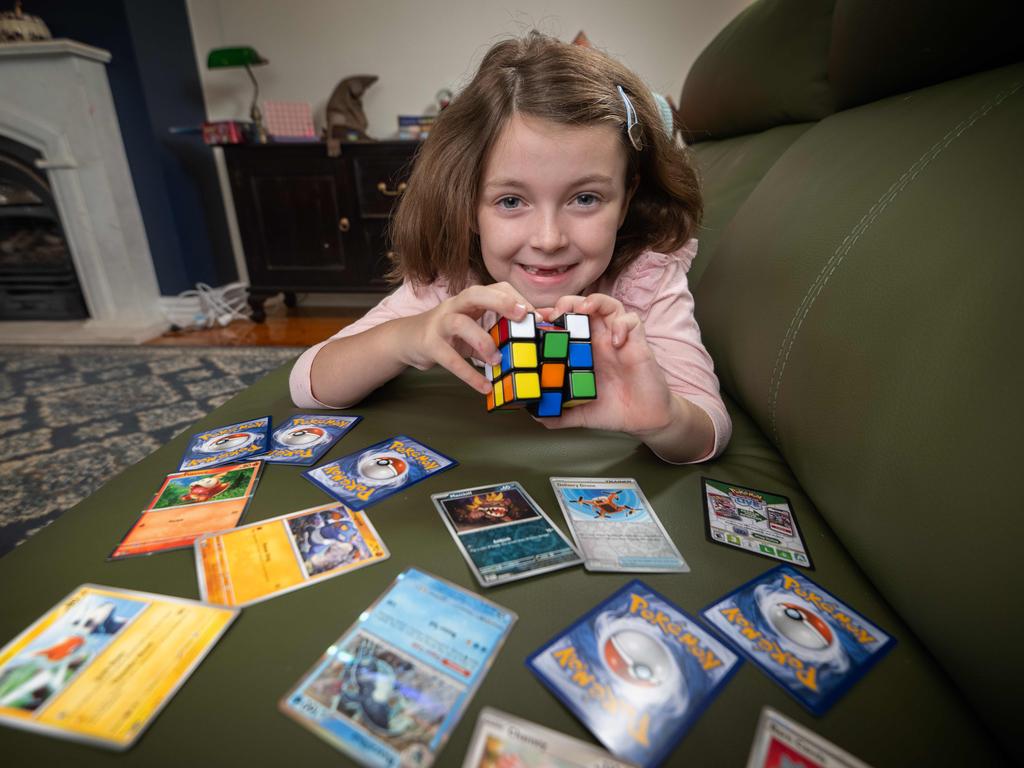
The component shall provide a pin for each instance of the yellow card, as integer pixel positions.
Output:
(100, 665)
(258, 561)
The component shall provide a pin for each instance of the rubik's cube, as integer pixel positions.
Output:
(544, 366)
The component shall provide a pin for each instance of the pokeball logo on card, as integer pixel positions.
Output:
(302, 436)
(383, 468)
(227, 442)
(639, 659)
(801, 625)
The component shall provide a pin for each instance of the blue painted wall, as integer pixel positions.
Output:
(155, 85)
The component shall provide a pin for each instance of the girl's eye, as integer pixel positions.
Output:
(509, 203)
(586, 199)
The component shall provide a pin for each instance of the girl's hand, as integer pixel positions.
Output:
(449, 333)
(632, 394)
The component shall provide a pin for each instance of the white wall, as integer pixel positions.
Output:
(417, 47)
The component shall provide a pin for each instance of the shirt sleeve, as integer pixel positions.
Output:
(406, 300)
(655, 287)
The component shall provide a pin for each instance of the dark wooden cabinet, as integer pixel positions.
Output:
(313, 223)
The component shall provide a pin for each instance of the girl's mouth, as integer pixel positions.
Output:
(534, 271)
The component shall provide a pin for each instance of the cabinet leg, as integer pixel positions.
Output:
(256, 301)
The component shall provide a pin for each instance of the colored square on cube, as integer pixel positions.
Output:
(555, 345)
(506, 358)
(581, 355)
(577, 325)
(552, 375)
(526, 386)
(498, 395)
(524, 354)
(507, 394)
(523, 329)
(582, 385)
(550, 404)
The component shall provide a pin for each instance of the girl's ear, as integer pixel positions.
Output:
(630, 191)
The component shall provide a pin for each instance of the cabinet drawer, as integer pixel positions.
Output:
(380, 179)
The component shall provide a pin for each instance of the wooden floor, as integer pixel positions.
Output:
(298, 327)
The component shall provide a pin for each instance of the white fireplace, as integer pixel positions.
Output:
(55, 98)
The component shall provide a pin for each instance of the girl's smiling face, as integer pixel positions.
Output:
(552, 200)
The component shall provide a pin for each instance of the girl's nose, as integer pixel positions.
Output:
(549, 236)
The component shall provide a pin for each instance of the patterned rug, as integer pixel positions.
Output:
(72, 417)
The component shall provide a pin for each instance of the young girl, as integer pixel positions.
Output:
(548, 185)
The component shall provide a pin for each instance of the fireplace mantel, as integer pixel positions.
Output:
(55, 98)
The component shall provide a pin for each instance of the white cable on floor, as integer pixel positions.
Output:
(205, 306)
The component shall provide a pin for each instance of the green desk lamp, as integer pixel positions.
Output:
(243, 56)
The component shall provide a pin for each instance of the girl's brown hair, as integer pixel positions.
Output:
(434, 229)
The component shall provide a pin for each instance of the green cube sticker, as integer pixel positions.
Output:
(556, 345)
(582, 384)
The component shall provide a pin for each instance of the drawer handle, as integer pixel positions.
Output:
(344, 224)
(382, 187)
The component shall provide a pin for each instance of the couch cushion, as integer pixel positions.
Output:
(881, 49)
(729, 171)
(767, 67)
(864, 307)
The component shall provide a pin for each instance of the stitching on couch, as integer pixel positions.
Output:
(844, 248)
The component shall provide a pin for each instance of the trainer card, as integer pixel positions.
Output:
(615, 526)
(637, 671)
(503, 740)
(759, 522)
(807, 640)
(372, 474)
(224, 445)
(188, 505)
(305, 438)
(256, 562)
(503, 534)
(781, 743)
(390, 691)
(102, 663)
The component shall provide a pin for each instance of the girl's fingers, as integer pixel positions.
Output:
(600, 304)
(500, 298)
(623, 325)
(450, 359)
(465, 329)
(566, 304)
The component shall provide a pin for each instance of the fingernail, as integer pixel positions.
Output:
(495, 358)
(522, 307)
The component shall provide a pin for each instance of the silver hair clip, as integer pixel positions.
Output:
(631, 121)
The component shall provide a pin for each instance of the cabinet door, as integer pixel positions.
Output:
(297, 218)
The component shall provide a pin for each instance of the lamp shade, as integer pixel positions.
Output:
(239, 56)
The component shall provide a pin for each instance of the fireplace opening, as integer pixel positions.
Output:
(37, 275)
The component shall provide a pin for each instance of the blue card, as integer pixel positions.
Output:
(367, 476)
(637, 671)
(390, 691)
(304, 439)
(807, 640)
(225, 445)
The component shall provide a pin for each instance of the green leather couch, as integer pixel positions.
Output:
(858, 287)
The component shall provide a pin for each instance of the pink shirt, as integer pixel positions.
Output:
(654, 286)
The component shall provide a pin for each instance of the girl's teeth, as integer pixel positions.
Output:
(543, 271)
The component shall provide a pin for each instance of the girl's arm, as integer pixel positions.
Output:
(347, 369)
